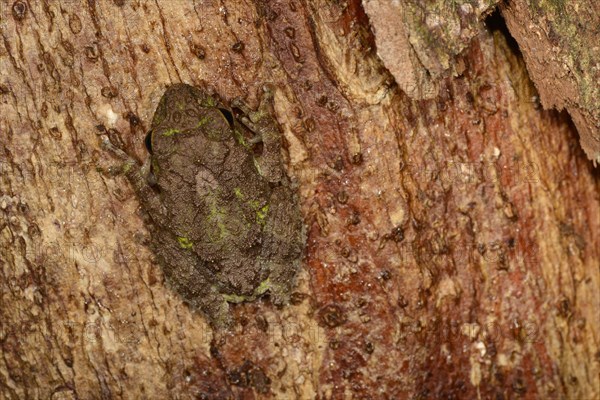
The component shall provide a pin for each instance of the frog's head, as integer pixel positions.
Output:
(187, 121)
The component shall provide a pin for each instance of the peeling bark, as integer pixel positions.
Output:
(418, 41)
(453, 245)
(560, 41)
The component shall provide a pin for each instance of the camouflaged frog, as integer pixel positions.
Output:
(224, 220)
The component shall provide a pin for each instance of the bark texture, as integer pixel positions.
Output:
(560, 41)
(418, 41)
(453, 245)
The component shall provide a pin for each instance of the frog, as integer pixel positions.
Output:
(223, 217)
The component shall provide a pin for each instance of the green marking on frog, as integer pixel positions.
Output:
(261, 215)
(217, 215)
(185, 243)
(234, 298)
(259, 290)
(261, 211)
(202, 122)
(241, 139)
(209, 102)
(263, 287)
(171, 132)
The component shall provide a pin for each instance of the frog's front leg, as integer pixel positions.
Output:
(139, 176)
(262, 122)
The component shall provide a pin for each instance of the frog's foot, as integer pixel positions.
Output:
(268, 95)
(130, 166)
(256, 129)
(280, 287)
(253, 119)
(216, 308)
(220, 315)
(127, 162)
(108, 145)
(138, 175)
(280, 293)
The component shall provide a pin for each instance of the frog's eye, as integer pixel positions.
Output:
(228, 116)
(148, 141)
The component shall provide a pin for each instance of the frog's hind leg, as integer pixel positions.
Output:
(187, 275)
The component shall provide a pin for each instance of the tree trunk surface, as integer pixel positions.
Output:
(453, 224)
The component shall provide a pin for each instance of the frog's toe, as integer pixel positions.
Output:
(109, 146)
(239, 103)
(223, 319)
(268, 89)
(280, 293)
(218, 314)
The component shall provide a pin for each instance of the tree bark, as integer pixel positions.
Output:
(453, 238)
(559, 40)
